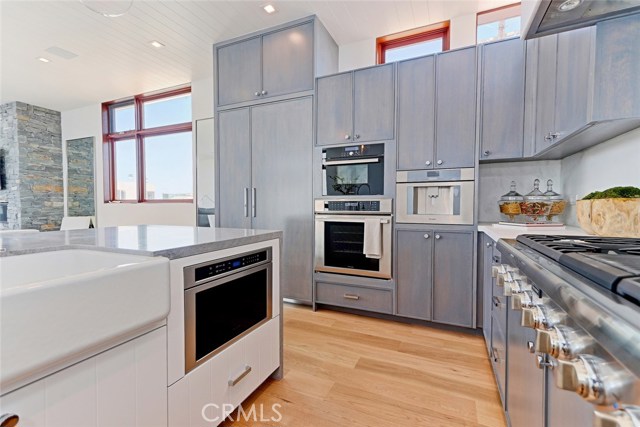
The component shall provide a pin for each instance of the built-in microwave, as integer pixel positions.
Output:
(356, 170)
(224, 300)
(435, 196)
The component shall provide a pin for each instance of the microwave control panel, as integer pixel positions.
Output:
(222, 267)
(360, 206)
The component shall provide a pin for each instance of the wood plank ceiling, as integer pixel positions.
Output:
(116, 60)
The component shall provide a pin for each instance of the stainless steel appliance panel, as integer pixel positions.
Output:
(449, 202)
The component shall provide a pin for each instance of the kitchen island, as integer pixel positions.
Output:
(141, 373)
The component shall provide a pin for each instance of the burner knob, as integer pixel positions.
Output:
(522, 300)
(541, 317)
(498, 269)
(516, 286)
(594, 379)
(562, 342)
(628, 416)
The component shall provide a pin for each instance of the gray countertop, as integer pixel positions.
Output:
(151, 240)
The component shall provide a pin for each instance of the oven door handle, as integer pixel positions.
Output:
(349, 219)
(350, 162)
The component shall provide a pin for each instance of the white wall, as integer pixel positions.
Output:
(610, 164)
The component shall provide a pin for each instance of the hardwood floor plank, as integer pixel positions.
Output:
(348, 370)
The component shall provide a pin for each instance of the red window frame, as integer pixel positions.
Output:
(492, 11)
(416, 35)
(138, 134)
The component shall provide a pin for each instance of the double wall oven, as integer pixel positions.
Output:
(353, 237)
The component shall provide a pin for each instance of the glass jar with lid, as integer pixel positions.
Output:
(510, 203)
(536, 205)
(556, 200)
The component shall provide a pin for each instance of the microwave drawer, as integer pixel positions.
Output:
(378, 300)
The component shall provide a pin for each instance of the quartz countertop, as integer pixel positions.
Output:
(151, 240)
(497, 232)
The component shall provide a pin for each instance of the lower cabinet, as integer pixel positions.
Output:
(434, 275)
(210, 392)
(358, 297)
(124, 386)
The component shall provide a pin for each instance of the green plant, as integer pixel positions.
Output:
(614, 193)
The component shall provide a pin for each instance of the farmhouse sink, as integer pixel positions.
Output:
(59, 307)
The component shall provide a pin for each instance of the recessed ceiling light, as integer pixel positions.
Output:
(41, 59)
(269, 8)
(156, 43)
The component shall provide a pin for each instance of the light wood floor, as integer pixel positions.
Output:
(354, 371)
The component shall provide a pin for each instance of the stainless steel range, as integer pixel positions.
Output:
(577, 300)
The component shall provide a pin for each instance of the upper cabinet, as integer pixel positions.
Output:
(274, 63)
(356, 106)
(437, 111)
(502, 101)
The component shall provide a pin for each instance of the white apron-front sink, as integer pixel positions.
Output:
(59, 307)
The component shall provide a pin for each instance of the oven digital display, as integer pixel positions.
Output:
(433, 174)
(350, 148)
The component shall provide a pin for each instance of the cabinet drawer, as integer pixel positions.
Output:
(378, 300)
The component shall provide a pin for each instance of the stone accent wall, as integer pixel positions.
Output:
(34, 166)
(80, 180)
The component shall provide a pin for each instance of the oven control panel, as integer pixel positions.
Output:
(353, 206)
(224, 266)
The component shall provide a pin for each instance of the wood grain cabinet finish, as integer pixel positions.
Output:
(437, 111)
(565, 73)
(416, 113)
(502, 104)
(265, 182)
(358, 297)
(274, 64)
(486, 261)
(357, 106)
(434, 276)
(456, 108)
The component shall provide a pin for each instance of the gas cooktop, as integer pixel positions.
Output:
(610, 262)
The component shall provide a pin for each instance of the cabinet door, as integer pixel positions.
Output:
(546, 91)
(453, 278)
(456, 108)
(239, 71)
(281, 136)
(373, 104)
(416, 119)
(487, 288)
(234, 172)
(414, 252)
(334, 109)
(502, 100)
(287, 60)
(573, 82)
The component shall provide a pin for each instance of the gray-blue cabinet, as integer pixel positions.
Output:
(357, 106)
(437, 111)
(502, 86)
(434, 275)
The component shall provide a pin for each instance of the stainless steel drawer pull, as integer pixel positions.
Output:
(246, 202)
(239, 378)
(351, 296)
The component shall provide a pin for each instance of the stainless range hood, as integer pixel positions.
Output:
(544, 17)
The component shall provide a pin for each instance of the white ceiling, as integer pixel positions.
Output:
(115, 59)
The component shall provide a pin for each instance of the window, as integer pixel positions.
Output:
(498, 24)
(413, 43)
(148, 148)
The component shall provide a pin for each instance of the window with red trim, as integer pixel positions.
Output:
(413, 43)
(497, 24)
(148, 149)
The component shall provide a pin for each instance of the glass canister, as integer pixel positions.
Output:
(556, 200)
(510, 203)
(536, 205)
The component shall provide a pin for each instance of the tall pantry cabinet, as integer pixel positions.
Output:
(264, 138)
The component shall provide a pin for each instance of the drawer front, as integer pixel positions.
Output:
(378, 300)
(498, 356)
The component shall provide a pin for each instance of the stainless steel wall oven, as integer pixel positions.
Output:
(224, 300)
(354, 237)
(353, 171)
